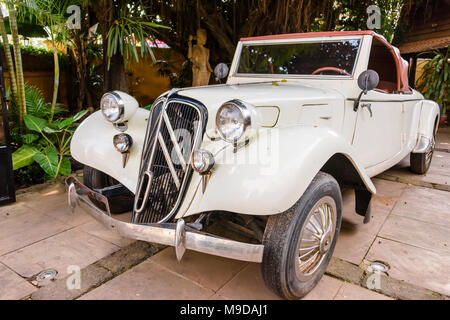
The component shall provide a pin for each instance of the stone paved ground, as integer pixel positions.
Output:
(410, 231)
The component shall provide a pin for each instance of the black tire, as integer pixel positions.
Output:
(95, 179)
(280, 266)
(419, 163)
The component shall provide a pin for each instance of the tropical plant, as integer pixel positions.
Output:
(15, 69)
(8, 56)
(44, 141)
(125, 27)
(48, 14)
(130, 29)
(177, 80)
(433, 82)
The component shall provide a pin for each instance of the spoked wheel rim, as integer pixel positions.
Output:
(316, 238)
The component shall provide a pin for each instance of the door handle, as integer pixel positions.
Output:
(369, 107)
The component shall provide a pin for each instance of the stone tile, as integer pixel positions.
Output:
(388, 188)
(73, 247)
(355, 237)
(47, 191)
(13, 287)
(46, 199)
(350, 291)
(352, 246)
(439, 172)
(218, 297)
(352, 222)
(417, 233)
(97, 229)
(443, 138)
(13, 210)
(149, 281)
(326, 289)
(248, 285)
(62, 213)
(26, 229)
(209, 271)
(424, 204)
(421, 267)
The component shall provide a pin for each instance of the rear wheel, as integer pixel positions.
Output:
(95, 179)
(299, 243)
(421, 162)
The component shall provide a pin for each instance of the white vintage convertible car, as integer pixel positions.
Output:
(301, 117)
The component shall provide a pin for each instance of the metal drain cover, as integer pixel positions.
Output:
(46, 275)
(379, 267)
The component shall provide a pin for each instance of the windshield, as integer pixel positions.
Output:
(308, 58)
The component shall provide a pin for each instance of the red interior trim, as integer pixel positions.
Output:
(310, 35)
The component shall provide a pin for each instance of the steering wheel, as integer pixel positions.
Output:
(341, 71)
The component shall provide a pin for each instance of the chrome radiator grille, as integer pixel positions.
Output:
(174, 130)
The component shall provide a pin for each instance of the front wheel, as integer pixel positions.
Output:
(299, 243)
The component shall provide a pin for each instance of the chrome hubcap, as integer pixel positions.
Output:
(316, 237)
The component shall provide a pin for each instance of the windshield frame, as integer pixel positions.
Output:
(293, 41)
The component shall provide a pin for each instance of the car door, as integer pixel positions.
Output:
(378, 130)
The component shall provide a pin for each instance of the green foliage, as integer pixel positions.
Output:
(29, 175)
(433, 83)
(352, 15)
(24, 156)
(43, 141)
(36, 106)
(45, 54)
(182, 79)
(130, 29)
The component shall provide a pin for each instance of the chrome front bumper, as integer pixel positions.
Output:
(171, 234)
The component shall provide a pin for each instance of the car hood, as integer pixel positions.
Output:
(280, 94)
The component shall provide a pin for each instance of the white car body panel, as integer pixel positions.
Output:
(92, 145)
(314, 119)
(269, 183)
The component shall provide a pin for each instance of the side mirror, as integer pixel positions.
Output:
(368, 80)
(221, 71)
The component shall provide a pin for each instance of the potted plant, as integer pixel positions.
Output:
(433, 81)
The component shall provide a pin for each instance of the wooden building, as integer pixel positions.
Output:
(425, 34)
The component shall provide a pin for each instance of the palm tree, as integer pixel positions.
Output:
(8, 56)
(49, 14)
(18, 60)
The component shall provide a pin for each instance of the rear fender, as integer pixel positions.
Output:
(429, 118)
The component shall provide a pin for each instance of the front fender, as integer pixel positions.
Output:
(92, 145)
(271, 173)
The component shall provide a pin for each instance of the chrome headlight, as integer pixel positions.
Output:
(233, 120)
(112, 107)
(202, 161)
(118, 106)
(122, 142)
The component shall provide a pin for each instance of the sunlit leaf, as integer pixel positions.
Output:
(24, 156)
(65, 168)
(48, 160)
(29, 138)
